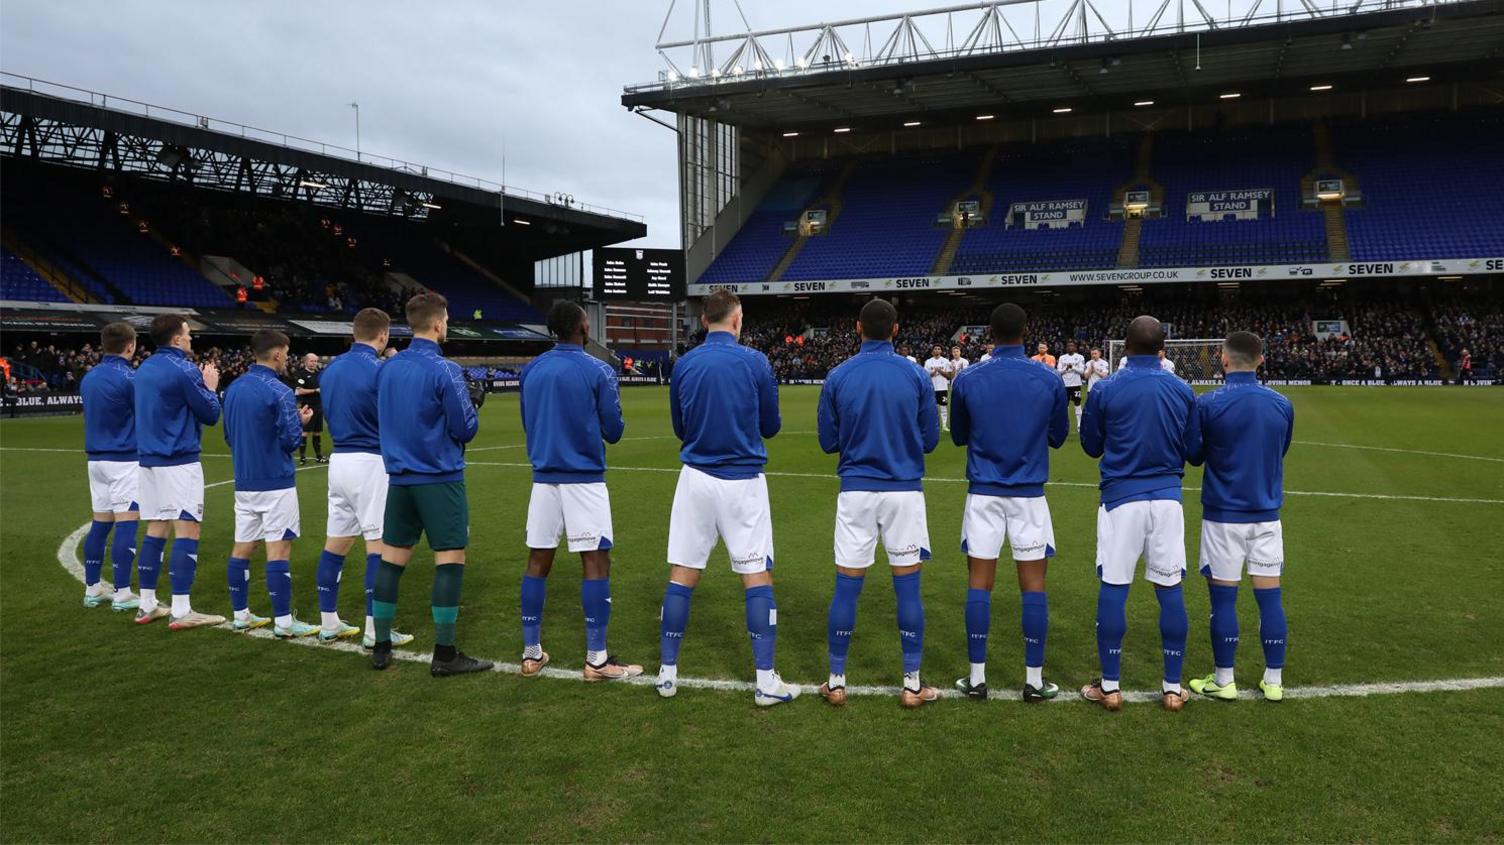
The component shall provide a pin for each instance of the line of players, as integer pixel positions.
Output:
(397, 473)
(1074, 371)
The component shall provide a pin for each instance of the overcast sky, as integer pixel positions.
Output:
(445, 84)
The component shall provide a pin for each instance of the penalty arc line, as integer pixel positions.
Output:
(67, 557)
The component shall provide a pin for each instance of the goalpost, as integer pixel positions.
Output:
(1196, 359)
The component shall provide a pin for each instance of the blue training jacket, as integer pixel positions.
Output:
(1241, 432)
(570, 404)
(262, 429)
(348, 388)
(109, 391)
(723, 401)
(425, 416)
(1135, 422)
(878, 410)
(1008, 412)
(172, 406)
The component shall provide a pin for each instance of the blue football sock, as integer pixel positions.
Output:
(675, 615)
(1271, 626)
(331, 566)
(534, 591)
(1035, 622)
(183, 565)
(842, 620)
(910, 620)
(149, 561)
(373, 565)
(1173, 627)
(1112, 624)
(279, 587)
(238, 576)
(762, 624)
(94, 542)
(1224, 625)
(978, 624)
(123, 553)
(595, 600)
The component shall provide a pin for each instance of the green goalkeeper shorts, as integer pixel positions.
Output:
(442, 511)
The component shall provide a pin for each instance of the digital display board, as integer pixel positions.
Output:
(639, 274)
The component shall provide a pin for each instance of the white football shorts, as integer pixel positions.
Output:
(112, 485)
(734, 509)
(1023, 520)
(581, 512)
(896, 516)
(167, 493)
(357, 495)
(269, 515)
(1225, 546)
(1153, 530)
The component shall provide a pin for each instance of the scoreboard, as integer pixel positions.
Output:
(639, 274)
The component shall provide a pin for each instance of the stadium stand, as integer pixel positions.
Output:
(761, 241)
(19, 281)
(1273, 157)
(1440, 199)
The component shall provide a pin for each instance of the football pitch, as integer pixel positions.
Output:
(1394, 577)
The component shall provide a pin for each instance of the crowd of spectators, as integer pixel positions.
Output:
(1474, 325)
(1386, 339)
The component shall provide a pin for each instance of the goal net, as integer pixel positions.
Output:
(1195, 359)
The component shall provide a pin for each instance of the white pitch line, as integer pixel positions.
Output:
(1400, 451)
(67, 557)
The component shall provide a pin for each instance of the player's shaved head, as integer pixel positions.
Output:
(878, 320)
(1146, 336)
(1244, 350)
(1008, 322)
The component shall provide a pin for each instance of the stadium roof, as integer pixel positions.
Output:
(1081, 66)
(56, 124)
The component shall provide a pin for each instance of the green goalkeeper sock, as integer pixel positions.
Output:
(448, 579)
(384, 600)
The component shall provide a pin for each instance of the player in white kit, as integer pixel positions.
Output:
(940, 371)
(1072, 368)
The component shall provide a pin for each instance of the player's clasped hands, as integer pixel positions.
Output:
(211, 375)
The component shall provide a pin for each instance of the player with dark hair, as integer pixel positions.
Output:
(1241, 431)
(1072, 369)
(1135, 422)
(940, 370)
(173, 401)
(1007, 465)
(723, 403)
(570, 409)
(108, 394)
(263, 425)
(425, 418)
(357, 477)
(878, 412)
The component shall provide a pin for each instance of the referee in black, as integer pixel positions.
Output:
(304, 381)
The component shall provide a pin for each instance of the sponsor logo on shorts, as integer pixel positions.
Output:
(1168, 572)
(911, 549)
(747, 560)
(1265, 564)
(587, 537)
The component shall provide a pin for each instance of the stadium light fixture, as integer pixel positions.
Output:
(1322, 87)
(791, 134)
(694, 72)
(1143, 102)
(840, 129)
(911, 123)
(737, 71)
(673, 76)
(520, 222)
(1450, 278)
(430, 205)
(1062, 110)
(778, 64)
(985, 116)
(309, 183)
(1417, 79)
(1230, 95)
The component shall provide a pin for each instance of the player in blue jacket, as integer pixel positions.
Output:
(174, 400)
(108, 393)
(1135, 423)
(570, 409)
(1007, 465)
(263, 425)
(723, 402)
(1242, 431)
(877, 409)
(357, 476)
(425, 417)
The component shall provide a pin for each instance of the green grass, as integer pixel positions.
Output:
(109, 732)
